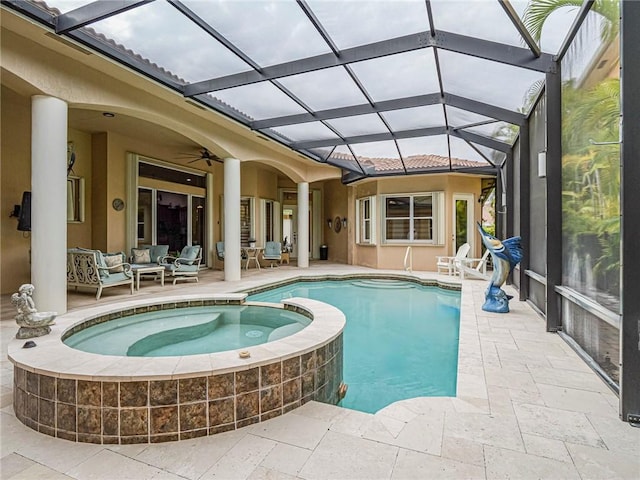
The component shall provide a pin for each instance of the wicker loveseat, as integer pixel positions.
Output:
(97, 270)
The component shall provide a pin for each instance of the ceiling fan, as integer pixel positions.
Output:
(203, 154)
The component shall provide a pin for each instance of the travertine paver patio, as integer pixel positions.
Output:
(527, 407)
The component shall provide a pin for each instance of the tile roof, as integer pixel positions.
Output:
(413, 162)
(163, 72)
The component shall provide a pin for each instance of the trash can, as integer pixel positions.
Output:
(324, 252)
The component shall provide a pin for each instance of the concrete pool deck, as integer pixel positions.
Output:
(527, 407)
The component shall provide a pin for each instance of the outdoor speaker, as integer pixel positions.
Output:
(24, 220)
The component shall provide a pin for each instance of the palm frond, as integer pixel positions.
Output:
(538, 11)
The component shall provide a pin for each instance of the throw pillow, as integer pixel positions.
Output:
(141, 255)
(112, 260)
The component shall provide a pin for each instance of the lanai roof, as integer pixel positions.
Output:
(375, 88)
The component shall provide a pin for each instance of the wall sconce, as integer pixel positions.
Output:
(344, 222)
(542, 164)
(329, 223)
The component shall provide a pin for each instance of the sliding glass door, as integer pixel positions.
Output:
(170, 218)
(171, 225)
(171, 206)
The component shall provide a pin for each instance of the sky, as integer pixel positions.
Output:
(273, 32)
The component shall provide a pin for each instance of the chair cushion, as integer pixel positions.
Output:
(104, 273)
(189, 254)
(182, 268)
(157, 251)
(116, 277)
(272, 251)
(140, 255)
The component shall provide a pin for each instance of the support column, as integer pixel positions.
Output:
(508, 165)
(232, 260)
(49, 203)
(525, 207)
(209, 239)
(303, 225)
(500, 217)
(630, 214)
(554, 199)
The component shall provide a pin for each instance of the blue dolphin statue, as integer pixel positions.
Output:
(506, 254)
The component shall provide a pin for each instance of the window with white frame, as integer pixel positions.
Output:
(413, 218)
(366, 214)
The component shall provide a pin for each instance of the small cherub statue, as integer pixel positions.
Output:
(32, 323)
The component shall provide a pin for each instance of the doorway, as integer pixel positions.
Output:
(463, 219)
(290, 229)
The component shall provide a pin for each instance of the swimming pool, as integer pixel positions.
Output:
(400, 339)
(188, 331)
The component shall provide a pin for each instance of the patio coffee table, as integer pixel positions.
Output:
(141, 269)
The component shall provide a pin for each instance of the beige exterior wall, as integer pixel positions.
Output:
(336, 204)
(385, 256)
(15, 178)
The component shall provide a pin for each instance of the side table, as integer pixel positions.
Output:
(142, 269)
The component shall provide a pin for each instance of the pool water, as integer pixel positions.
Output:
(188, 331)
(400, 338)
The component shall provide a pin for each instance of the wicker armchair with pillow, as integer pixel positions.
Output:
(186, 266)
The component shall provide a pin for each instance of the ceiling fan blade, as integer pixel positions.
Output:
(208, 161)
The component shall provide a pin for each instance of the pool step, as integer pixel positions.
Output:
(147, 344)
(383, 283)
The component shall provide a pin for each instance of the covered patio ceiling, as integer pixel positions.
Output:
(376, 88)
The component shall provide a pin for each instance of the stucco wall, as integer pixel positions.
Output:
(336, 205)
(15, 178)
(80, 234)
(424, 256)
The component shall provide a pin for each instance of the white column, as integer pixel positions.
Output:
(210, 244)
(49, 203)
(303, 225)
(232, 262)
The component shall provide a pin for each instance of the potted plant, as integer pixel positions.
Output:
(252, 242)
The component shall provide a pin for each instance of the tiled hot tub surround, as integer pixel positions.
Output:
(120, 402)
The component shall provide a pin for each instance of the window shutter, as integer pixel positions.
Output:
(438, 200)
(277, 222)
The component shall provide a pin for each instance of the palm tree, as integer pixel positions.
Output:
(538, 11)
(590, 159)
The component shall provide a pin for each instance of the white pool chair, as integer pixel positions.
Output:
(449, 263)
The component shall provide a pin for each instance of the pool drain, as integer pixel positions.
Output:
(254, 333)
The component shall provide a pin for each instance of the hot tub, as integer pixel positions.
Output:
(187, 330)
(115, 399)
